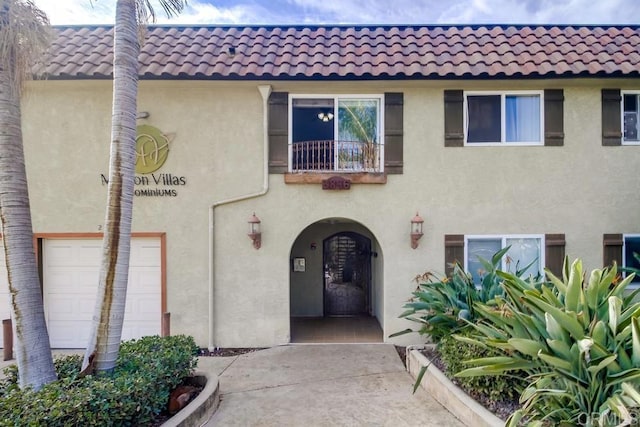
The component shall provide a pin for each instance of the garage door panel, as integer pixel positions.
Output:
(145, 253)
(61, 307)
(71, 281)
(70, 253)
(140, 307)
(140, 329)
(77, 281)
(147, 280)
(68, 334)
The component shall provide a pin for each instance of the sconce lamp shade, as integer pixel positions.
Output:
(255, 234)
(416, 230)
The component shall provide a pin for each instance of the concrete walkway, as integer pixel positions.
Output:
(321, 385)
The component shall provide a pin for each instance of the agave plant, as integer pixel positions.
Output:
(579, 342)
(443, 306)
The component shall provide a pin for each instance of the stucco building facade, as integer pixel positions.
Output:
(231, 137)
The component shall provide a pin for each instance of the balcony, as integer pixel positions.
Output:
(336, 156)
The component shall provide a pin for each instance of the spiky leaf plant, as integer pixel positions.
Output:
(443, 306)
(578, 339)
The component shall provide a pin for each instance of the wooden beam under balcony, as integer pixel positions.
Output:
(317, 178)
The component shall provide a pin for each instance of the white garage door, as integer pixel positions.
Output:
(71, 269)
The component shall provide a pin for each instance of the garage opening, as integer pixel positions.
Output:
(336, 284)
(70, 269)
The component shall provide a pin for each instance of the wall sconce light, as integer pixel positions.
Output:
(254, 231)
(416, 230)
(325, 116)
(143, 115)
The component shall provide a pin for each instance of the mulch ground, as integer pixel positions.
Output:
(501, 408)
(226, 352)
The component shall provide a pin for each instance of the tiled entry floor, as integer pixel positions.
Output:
(362, 329)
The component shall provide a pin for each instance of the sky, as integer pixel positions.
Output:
(397, 12)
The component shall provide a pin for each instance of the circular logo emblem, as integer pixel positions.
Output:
(152, 149)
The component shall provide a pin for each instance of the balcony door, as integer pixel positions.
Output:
(347, 275)
(339, 134)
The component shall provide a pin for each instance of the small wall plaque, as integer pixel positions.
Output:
(298, 264)
(336, 183)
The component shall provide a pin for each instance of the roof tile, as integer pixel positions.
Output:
(336, 52)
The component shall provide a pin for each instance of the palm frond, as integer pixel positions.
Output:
(24, 35)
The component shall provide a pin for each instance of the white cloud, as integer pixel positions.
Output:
(70, 12)
(252, 12)
(542, 12)
(204, 13)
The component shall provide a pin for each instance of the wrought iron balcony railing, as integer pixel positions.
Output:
(332, 155)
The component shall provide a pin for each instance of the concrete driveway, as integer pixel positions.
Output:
(321, 385)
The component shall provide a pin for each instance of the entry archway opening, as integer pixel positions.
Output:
(336, 284)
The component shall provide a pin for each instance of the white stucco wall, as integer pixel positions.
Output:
(581, 189)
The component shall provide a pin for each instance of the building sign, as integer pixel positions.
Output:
(152, 150)
(336, 183)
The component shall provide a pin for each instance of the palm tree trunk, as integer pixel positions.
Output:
(104, 342)
(32, 348)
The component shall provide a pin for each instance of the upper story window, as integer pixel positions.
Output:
(336, 133)
(620, 117)
(630, 117)
(514, 118)
(525, 250)
(631, 248)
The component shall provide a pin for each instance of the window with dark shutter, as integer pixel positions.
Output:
(554, 117)
(453, 118)
(554, 253)
(611, 117)
(453, 251)
(278, 132)
(331, 134)
(393, 132)
(612, 249)
(520, 254)
(486, 128)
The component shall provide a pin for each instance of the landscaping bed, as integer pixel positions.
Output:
(501, 408)
(135, 393)
(565, 346)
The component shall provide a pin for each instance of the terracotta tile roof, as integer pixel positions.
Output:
(342, 53)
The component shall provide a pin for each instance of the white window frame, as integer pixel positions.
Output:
(336, 97)
(503, 126)
(624, 258)
(503, 238)
(622, 94)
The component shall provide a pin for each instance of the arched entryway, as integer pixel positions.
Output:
(336, 284)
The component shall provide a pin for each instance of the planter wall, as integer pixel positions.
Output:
(448, 394)
(200, 409)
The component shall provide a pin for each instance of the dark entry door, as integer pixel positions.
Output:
(347, 274)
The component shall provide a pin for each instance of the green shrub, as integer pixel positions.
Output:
(578, 339)
(454, 352)
(138, 389)
(445, 306)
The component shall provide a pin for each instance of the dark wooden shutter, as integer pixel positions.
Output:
(611, 117)
(453, 251)
(554, 117)
(393, 132)
(554, 253)
(453, 118)
(278, 132)
(612, 249)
